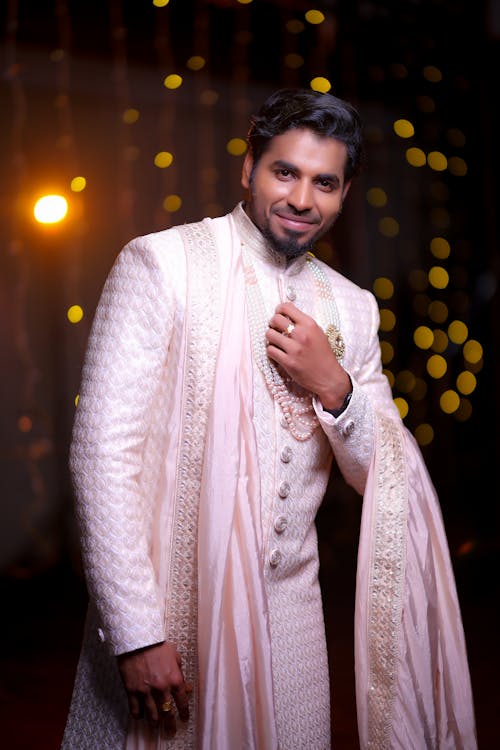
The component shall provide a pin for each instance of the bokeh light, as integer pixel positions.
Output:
(50, 209)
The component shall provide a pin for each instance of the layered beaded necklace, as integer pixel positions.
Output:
(295, 402)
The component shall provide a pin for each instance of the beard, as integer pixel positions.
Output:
(288, 246)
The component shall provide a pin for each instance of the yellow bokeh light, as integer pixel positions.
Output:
(415, 157)
(440, 342)
(436, 366)
(423, 337)
(196, 62)
(398, 70)
(419, 390)
(130, 116)
(387, 319)
(244, 2)
(163, 159)
(294, 61)
(314, 16)
(456, 137)
(75, 314)
(426, 104)
(424, 434)
(388, 226)
(321, 84)
(458, 331)
(437, 161)
(466, 382)
(390, 377)
(449, 401)
(386, 352)
(402, 405)
(457, 166)
(77, 399)
(464, 411)
(49, 209)
(432, 74)
(472, 351)
(160, 3)
(405, 381)
(294, 26)
(440, 247)
(172, 203)
(173, 81)
(437, 311)
(383, 288)
(404, 128)
(376, 197)
(439, 277)
(236, 146)
(78, 184)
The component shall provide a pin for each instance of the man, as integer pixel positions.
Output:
(225, 368)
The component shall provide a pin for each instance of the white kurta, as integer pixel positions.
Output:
(130, 431)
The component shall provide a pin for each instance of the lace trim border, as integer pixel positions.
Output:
(199, 367)
(387, 574)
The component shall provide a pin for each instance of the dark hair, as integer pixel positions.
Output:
(324, 114)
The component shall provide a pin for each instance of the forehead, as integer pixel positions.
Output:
(307, 151)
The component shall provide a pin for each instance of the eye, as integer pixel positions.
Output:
(325, 184)
(283, 173)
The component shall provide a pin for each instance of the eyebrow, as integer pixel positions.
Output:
(282, 164)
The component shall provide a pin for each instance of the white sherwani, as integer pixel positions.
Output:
(199, 528)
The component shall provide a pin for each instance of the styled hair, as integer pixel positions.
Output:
(323, 114)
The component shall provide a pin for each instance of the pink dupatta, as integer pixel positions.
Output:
(413, 686)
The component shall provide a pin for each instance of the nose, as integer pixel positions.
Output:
(301, 196)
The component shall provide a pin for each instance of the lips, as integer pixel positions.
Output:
(294, 222)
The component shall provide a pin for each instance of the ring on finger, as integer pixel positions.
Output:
(289, 329)
(167, 706)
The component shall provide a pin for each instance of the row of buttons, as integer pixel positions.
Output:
(281, 522)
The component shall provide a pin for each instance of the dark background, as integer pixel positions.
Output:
(70, 72)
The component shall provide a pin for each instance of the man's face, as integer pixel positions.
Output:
(296, 189)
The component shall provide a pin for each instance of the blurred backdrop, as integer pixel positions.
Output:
(135, 113)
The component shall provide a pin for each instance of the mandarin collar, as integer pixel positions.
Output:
(253, 240)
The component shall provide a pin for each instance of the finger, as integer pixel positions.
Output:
(289, 310)
(167, 714)
(151, 709)
(181, 697)
(136, 706)
(280, 322)
(276, 339)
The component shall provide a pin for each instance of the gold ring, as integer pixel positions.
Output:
(289, 329)
(166, 707)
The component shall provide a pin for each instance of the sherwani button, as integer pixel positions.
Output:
(284, 490)
(291, 293)
(286, 454)
(280, 524)
(100, 633)
(284, 423)
(348, 428)
(275, 558)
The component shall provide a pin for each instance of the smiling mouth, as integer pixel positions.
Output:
(295, 221)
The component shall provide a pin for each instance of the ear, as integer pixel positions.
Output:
(346, 189)
(246, 170)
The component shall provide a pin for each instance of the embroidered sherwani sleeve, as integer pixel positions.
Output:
(123, 366)
(351, 435)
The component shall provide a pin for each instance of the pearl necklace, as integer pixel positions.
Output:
(295, 402)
